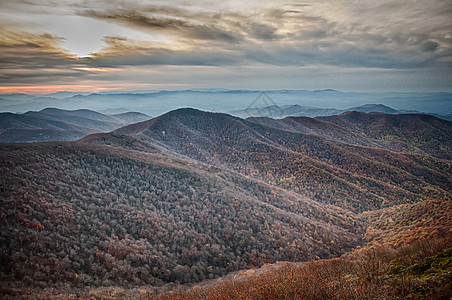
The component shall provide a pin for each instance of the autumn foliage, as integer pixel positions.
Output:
(416, 271)
(190, 197)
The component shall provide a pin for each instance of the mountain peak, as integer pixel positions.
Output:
(375, 108)
(185, 110)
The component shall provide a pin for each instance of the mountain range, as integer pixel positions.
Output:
(278, 112)
(157, 102)
(52, 124)
(325, 154)
(192, 195)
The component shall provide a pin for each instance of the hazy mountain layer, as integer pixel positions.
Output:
(53, 124)
(220, 100)
(279, 112)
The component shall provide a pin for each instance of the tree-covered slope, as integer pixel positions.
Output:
(422, 270)
(413, 133)
(192, 195)
(351, 176)
(96, 215)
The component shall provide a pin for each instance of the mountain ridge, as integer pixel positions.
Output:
(192, 195)
(255, 149)
(157, 102)
(57, 124)
(296, 110)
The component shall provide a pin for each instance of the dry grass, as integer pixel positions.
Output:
(367, 275)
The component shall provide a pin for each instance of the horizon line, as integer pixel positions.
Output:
(211, 90)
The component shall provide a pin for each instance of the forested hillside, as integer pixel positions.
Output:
(191, 196)
(422, 270)
(95, 215)
(414, 133)
(346, 175)
(411, 133)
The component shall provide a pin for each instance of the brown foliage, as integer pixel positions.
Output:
(365, 276)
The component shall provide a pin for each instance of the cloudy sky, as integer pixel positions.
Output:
(52, 45)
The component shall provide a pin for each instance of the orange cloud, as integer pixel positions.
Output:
(95, 87)
(46, 89)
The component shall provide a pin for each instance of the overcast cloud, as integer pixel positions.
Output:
(348, 45)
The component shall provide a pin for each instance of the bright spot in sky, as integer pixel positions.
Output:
(83, 36)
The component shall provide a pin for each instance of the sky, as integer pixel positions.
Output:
(364, 46)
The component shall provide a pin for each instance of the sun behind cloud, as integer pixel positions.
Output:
(44, 43)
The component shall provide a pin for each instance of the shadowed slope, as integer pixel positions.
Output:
(314, 165)
(414, 133)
